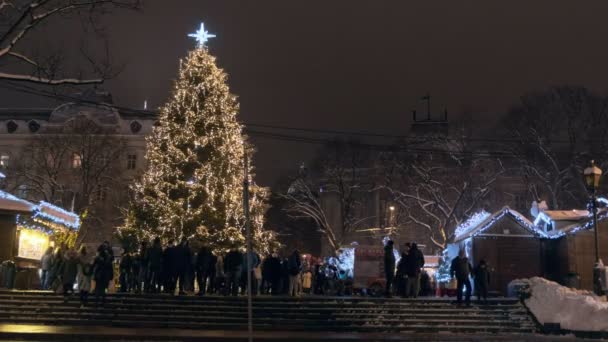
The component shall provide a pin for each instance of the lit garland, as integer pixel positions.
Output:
(70, 219)
(193, 185)
(489, 221)
(5, 195)
(471, 223)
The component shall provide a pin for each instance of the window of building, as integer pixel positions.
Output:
(102, 194)
(135, 127)
(76, 161)
(4, 160)
(131, 161)
(33, 126)
(11, 126)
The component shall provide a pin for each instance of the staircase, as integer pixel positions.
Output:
(309, 314)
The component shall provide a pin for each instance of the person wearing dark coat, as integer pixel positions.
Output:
(103, 272)
(415, 265)
(126, 268)
(389, 267)
(461, 269)
(182, 262)
(233, 267)
(153, 276)
(56, 269)
(482, 280)
(140, 267)
(204, 260)
(401, 275)
(412, 272)
(274, 274)
(169, 273)
(212, 274)
(69, 272)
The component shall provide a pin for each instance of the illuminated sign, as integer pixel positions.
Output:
(32, 244)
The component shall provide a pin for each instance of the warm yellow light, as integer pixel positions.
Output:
(32, 244)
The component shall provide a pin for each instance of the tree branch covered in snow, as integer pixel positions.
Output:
(342, 177)
(555, 133)
(20, 20)
(438, 190)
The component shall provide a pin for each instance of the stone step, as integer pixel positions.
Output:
(221, 304)
(337, 314)
(465, 314)
(282, 300)
(419, 327)
(454, 310)
(258, 319)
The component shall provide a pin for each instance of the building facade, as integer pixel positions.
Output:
(80, 155)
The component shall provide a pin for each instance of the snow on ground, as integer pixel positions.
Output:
(573, 309)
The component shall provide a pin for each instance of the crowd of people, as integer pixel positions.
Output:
(176, 268)
(64, 267)
(406, 275)
(173, 269)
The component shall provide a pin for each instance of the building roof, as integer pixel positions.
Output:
(486, 221)
(566, 215)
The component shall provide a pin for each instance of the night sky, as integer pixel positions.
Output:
(362, 65)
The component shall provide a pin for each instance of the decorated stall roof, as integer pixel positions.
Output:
(57, 215)
(12, 203)
(481, 221)
(574, 226)
(43, 213)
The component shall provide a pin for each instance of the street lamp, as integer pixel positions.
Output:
(592, 180)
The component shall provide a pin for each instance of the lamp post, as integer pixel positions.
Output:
(592, 180)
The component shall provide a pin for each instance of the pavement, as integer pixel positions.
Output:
(28, 332)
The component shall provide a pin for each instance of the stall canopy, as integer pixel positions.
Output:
(43, 213)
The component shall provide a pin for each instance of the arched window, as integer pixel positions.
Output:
(135, 127)
(11, 126)
(34, 126)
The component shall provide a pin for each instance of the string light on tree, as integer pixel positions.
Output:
(202, 36)
(192, 187)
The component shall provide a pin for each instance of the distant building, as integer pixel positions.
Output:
(59, 171)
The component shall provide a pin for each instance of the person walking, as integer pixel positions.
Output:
(233, 267)
(204, 259)
(85, 272)
(482, 280)
(103, 273)
(69, 272)
(461, 269)
(46, 262)
(389, 267)
(295, 268)
(154, 261)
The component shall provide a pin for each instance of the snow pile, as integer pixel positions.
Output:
(572, 309)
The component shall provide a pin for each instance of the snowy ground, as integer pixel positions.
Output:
(574, 309)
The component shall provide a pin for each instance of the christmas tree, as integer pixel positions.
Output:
(193, 185)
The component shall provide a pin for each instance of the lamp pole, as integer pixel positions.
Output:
(592, 177)
(249, 249)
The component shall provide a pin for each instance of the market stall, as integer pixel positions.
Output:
(26, 231)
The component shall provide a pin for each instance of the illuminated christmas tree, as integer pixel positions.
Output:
(193, 185)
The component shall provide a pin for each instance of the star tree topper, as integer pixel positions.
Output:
(201, 36)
